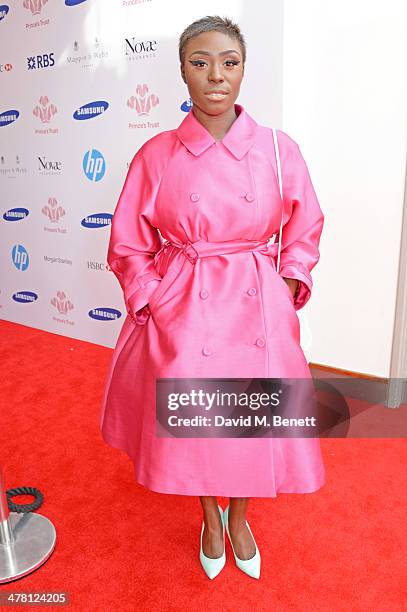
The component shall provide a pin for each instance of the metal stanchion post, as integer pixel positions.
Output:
(26, 540)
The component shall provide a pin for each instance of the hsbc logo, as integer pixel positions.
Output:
(5, 67)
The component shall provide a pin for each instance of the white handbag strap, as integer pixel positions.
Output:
(280, 184)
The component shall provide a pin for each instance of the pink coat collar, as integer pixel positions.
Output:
(238, 139)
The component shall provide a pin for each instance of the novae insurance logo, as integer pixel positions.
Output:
(8, 117)
(140, 49)
(48, 166)
(94, 165)
(90, 110)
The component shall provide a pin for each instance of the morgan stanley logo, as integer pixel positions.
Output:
(8, 117)
(4, 9)
(16, 214)
(104, 314)
(92, 109)
(34, 6)
(61, 303)
(24, 297)
(45, 111)
(143, 101)
(94, 165)
(97, 220)
(53, 210)
(20, 257)
(73, 2)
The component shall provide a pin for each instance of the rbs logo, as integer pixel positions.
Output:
(46, 60)
(94, 165)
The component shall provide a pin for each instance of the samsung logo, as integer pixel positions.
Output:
(97, 220)
(16, 214)
(186, 105)
(4, 9)
(88, 111)
(25, 296)
(73, 2)
(104, 314)
(8, 117)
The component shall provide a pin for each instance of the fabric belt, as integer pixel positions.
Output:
(203, 248)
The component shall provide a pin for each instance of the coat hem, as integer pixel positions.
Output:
(156, 487)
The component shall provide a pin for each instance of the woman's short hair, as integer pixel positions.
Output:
(207, 24)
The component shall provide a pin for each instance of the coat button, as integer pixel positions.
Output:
(249, 197)
(203, 293)
(252, 291)
(206, 350)
(260, 342)
(194, 197)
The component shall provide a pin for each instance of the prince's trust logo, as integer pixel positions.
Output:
(45, 111)
(35, 8)
(63, 305)
(143, 103)
(54, 212)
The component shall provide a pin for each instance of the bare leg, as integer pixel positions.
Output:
(212, 539)
(242, 540)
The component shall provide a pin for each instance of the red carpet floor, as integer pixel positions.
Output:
(123, 547)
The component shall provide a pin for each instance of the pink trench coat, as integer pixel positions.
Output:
(216, 308)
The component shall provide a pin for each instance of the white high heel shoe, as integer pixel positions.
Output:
(211, 566)
(251, 567)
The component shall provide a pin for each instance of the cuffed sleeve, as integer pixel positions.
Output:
(133, 239)
(301, 233)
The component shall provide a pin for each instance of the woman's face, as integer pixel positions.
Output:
(213, 62)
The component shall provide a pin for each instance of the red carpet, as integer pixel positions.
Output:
(123, 547)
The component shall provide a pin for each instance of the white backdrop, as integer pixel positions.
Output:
(83, 84)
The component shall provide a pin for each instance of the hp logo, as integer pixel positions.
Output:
(94, 165)
(20, 257)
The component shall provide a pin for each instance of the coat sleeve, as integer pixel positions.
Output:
(133, 240)
(301, 233)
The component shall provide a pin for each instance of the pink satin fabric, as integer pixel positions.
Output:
(208, 301)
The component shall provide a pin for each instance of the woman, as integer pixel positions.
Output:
(209, 302)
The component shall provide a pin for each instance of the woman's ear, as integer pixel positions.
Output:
(183, 74)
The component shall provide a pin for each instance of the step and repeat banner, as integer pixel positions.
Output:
(83, 83)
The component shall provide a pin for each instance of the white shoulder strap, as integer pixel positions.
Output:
(280, 184)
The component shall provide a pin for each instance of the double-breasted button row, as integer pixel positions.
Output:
(206, 350)
(249, 196)
(252, 291)
(260, 341)
(203, 294)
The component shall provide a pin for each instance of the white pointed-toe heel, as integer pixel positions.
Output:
(251, 567)
(211, 566)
